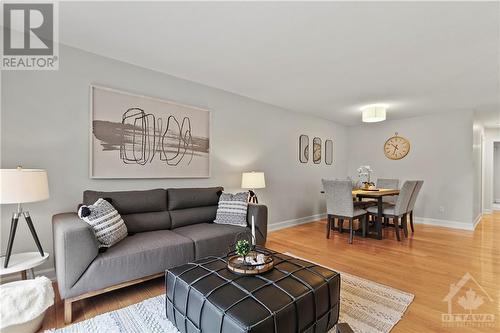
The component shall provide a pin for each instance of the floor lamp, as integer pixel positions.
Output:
(20, 186)
(251, 181)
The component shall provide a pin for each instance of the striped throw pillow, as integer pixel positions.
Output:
(107, 223)
(232, 209)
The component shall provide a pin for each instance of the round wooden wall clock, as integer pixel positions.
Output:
(396, 147)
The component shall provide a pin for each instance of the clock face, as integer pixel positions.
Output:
(396, 147)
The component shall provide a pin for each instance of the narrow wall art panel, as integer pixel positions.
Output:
(317, 150)
(135, 136)
(303, 148)
(328, 152)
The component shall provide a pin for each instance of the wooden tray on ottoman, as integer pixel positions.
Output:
(235, 264)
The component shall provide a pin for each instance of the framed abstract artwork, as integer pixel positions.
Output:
(328, 152)
(316, 150)
(303, 148)
(135, 136)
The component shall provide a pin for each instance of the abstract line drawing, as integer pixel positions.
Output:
(303, 148)
(162, 138)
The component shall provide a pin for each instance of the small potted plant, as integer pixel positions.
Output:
(242, 249)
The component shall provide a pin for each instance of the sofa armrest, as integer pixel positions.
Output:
(75, 247)
(259, 212)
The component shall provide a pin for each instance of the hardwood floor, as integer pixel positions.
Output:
(425, 264)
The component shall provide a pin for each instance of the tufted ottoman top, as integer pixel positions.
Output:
(295, 296)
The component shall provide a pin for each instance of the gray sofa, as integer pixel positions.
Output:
(166, 228)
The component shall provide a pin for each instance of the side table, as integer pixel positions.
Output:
(23, 262)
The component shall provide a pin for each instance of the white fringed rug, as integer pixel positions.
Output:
(367, 306)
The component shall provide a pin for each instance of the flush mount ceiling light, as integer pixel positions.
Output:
(373, 113)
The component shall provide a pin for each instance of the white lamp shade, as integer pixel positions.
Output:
(23, 185)
(373, 113)
(253, 180)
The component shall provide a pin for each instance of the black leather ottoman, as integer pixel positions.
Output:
(295, 296)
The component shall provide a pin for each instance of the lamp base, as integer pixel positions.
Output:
(12, 234)
(252, 198)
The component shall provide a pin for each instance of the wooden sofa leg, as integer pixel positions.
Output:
(67, 311)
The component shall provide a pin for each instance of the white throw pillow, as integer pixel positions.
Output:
(232, 209)
(107, 223)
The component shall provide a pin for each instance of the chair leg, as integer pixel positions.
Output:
(363, 225)
(396, 227)
(411, 222)
(351, 231)
(341, 225)
(386, 222)
(404, 225)
(328, 226)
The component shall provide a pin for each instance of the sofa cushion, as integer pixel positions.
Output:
(140, 222)
(136, 256)
(232, 209)
(129, 202)
(210, 239)
(189, 216)
(182, 198)
(106, 222)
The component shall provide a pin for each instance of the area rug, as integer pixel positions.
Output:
(367, 306)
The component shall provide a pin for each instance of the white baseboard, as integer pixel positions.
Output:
(495, 206)
(419, 220)
(476, 221)
(290, 223)
(487, 211)
(48, 272)
(446, 223)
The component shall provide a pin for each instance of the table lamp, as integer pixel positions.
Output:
(251, 181)
(20, 186)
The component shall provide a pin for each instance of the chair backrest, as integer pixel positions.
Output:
(416, 191)
(338, 197)
(404, 197)
(392, 184)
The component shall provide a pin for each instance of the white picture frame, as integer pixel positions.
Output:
(138, 136)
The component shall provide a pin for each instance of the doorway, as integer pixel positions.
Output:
(496, 176)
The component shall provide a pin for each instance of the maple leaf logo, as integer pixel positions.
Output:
(471, 301)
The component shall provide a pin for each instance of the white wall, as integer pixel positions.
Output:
(45, 124)
(441, 155)
(496, 172)
(490, 137)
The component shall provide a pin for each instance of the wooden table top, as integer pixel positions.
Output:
(374, 194)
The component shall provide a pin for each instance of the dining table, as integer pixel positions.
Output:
(378, 195)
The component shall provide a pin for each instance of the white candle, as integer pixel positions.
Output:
(253, 230)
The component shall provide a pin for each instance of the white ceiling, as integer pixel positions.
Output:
(327, 59)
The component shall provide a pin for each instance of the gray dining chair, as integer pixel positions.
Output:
(386, 183)
(339, 205)
(389, 183)
(400, 209)
(413, 200)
